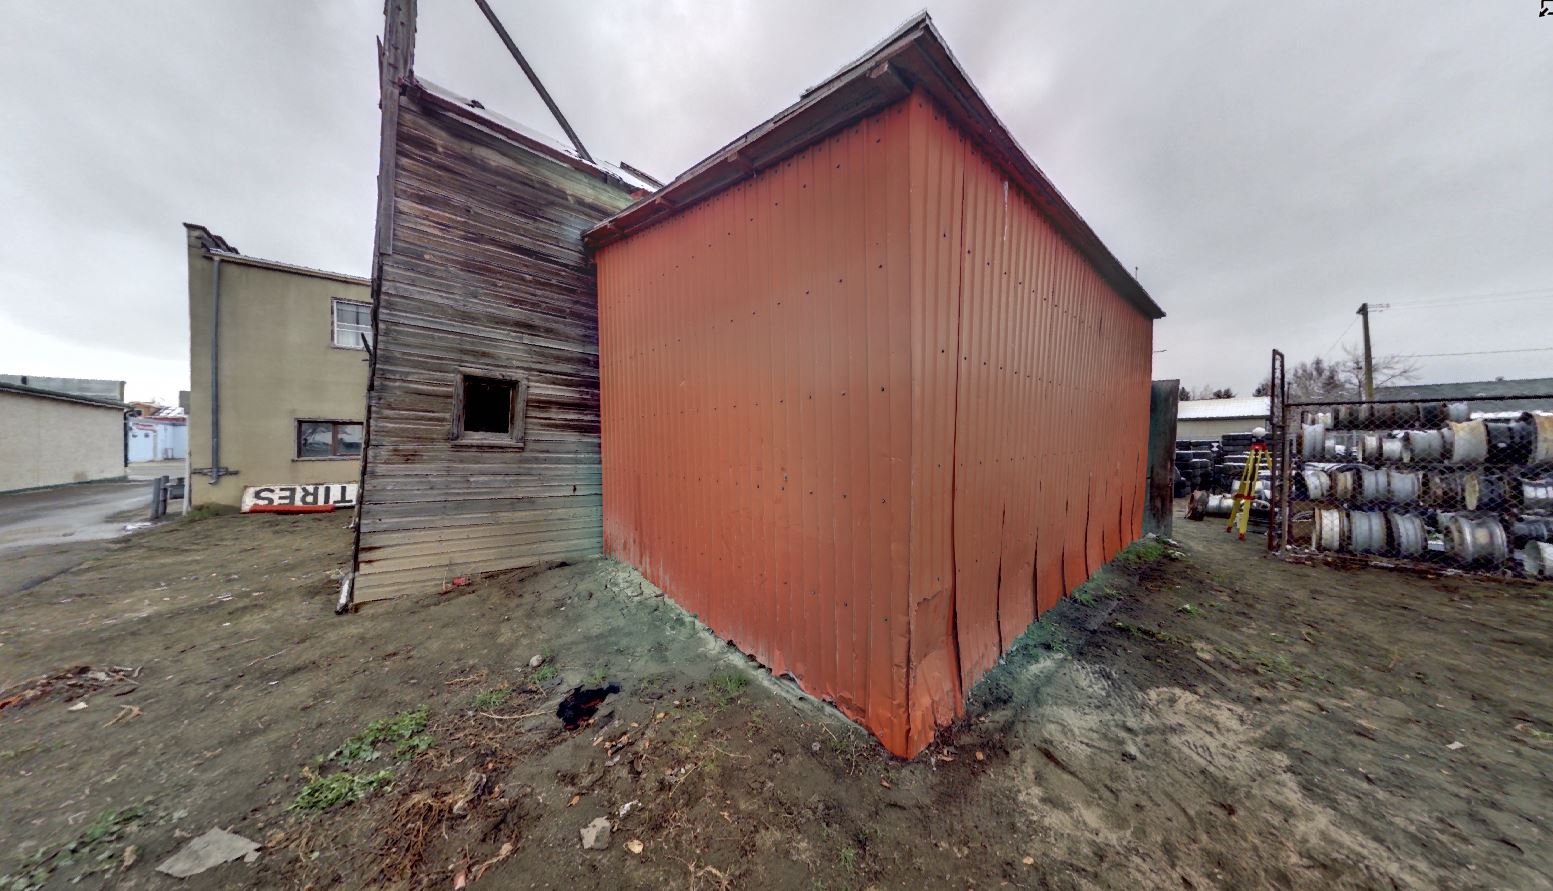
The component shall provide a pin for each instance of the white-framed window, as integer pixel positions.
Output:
(352, 324)
(328, 439)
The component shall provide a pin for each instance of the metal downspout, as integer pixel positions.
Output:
(215, 370)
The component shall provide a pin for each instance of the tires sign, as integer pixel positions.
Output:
(299, 498)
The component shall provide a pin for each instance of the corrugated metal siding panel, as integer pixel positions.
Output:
(1047, 422)
(487, 272)
(866, 414)
(756, 363)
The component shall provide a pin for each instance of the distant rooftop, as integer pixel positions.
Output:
(25, 390)
(216, 246)
(1485, 396)
(1223, 409)
(92, 388)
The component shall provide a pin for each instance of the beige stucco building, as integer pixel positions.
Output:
(48, 438)
(289, 373)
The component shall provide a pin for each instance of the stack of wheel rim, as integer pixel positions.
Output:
(1428, 481)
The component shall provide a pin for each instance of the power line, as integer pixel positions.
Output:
(1340, 337)
(1479, 299)
(1476, 353)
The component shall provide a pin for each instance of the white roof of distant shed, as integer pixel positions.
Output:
(1217, 409)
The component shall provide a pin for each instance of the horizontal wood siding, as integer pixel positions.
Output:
(487, 273)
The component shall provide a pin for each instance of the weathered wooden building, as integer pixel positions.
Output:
(874, 394)
(483, 408)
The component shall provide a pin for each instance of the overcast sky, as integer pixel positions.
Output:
(1266, 166)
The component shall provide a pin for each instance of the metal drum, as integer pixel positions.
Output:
(1477, 539)
(1404, 486)
(1425, 445)
(1374, 484)
(1537, 494)
(1407, 534)
(1485, 490)
(1344, 482)
(1433, 414)
(1317, 484)
(1219, 505)
(1329, 529)
(1394, 450)
(1457, 411)
(1444, 488)
(1542, 426)
(1537, 559)
(1469, 442)
(1369, 447)
(1531, 529)
(1395, 414)
(1313, 438)
(1367, 531)
(1342, 445)
(1509, 442)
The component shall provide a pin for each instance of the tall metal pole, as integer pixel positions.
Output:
(1369, 361)
(533, 78)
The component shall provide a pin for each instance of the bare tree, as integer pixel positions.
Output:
(1223, 393)
(1343, 379)
(1388, 370)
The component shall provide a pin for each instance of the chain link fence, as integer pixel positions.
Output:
(1442, 484)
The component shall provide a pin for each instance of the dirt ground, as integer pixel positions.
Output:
(1211, 718)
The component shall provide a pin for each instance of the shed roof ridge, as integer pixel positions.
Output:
(914, 55)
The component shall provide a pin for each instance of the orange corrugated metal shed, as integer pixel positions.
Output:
(874, 395)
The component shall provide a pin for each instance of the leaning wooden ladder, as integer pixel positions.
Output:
(1245, 493)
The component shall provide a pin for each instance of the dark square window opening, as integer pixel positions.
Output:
(487, 405)
(488, 410)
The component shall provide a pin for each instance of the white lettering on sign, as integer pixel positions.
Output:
(299, 498)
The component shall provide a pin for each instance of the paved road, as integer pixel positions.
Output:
(49, 531)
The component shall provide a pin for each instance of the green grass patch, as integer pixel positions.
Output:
(545, 673)
(1042, 636)
(324, 792)
(402, 737)
(94, 846)
(727, 685)
(1141, 553)
(489, 699)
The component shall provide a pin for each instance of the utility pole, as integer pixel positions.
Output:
(1369, 361)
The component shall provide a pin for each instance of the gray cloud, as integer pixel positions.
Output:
(1267, 167)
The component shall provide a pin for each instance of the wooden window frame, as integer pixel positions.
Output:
(517, 411)
(334, 324)
(334, 438)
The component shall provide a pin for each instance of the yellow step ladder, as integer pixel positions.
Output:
(1245, 492)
